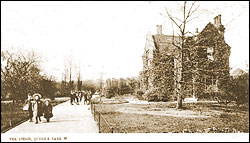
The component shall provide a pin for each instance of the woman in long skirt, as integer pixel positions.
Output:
(37, 108)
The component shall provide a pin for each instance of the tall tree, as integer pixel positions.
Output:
(79, 81)
(181, 24)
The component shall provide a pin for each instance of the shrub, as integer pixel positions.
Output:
(150, 95)
(110, 92)
(153, 95)
(239, 88)
(140, 92)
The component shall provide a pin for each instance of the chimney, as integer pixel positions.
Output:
(196, 31)
(159, 29)
(219, 20)
(215, 21)
(217, 24)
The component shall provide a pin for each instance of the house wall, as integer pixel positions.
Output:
(205, 64)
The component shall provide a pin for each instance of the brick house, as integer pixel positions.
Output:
(204, 61)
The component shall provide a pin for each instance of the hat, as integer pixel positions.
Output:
(47, 99)
(37, 94)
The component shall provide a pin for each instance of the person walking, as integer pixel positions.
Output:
(71, 97)
(74, 97)
(29, 102)
(77, 97)
(89, 96)
(47, 110)
(85, 97)
(37, 107)
(81, 94)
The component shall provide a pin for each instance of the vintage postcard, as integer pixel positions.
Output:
(124, 71)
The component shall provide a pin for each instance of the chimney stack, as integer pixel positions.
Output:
(217, 24)
(159, 29)
(196, 30)
(219, 20)
(215, 21)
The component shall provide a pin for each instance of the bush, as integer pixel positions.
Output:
(150, 95)
(153, 95)
(140, 92)
(110, 92)
(239, 88)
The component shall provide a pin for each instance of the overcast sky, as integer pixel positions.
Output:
(108, 37)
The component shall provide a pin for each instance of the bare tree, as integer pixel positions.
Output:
(79, 81)
(180, 44)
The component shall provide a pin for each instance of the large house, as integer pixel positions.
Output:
(202, 66)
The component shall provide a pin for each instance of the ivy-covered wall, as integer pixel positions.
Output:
(199, 72)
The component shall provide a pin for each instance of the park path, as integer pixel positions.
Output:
(67, 119)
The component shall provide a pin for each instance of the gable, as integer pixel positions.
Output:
(209, 35)
(165, 43)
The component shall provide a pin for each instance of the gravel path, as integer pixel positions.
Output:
(67, 119)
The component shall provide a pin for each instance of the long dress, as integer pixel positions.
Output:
(48, 111)
(37, 109)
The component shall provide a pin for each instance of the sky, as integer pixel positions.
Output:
(108, 37)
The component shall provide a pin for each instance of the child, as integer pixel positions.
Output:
(29, 101)
(37, 107)
(48, 110)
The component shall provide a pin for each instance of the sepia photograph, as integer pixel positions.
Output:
(124, 71)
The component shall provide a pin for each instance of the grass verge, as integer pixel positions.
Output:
(222, 119)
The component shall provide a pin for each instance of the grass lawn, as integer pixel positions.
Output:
(18, 114)
(162, 117)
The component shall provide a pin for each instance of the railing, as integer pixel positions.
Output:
(103, 125)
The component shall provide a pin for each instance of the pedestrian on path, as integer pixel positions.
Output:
(77, 97)
(29, 103)
(71, 97)
(85, 97)
(37, 107)
(47, 110)
(74, 97)
(89, 96)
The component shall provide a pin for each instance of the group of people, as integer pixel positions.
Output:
(38, 108)
(76, 97)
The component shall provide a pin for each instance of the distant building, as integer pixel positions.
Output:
(208, 66)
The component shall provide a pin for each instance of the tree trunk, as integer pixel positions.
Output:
(179, 96)
(178, 74)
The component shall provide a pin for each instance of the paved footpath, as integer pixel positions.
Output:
(67, 119)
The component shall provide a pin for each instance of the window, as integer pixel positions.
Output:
(210, 53)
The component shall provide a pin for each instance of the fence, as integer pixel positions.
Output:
(103, 125)
(12, 115)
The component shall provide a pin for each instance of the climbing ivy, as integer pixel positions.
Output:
(198, 70)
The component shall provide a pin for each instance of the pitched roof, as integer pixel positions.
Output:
(164, 42)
